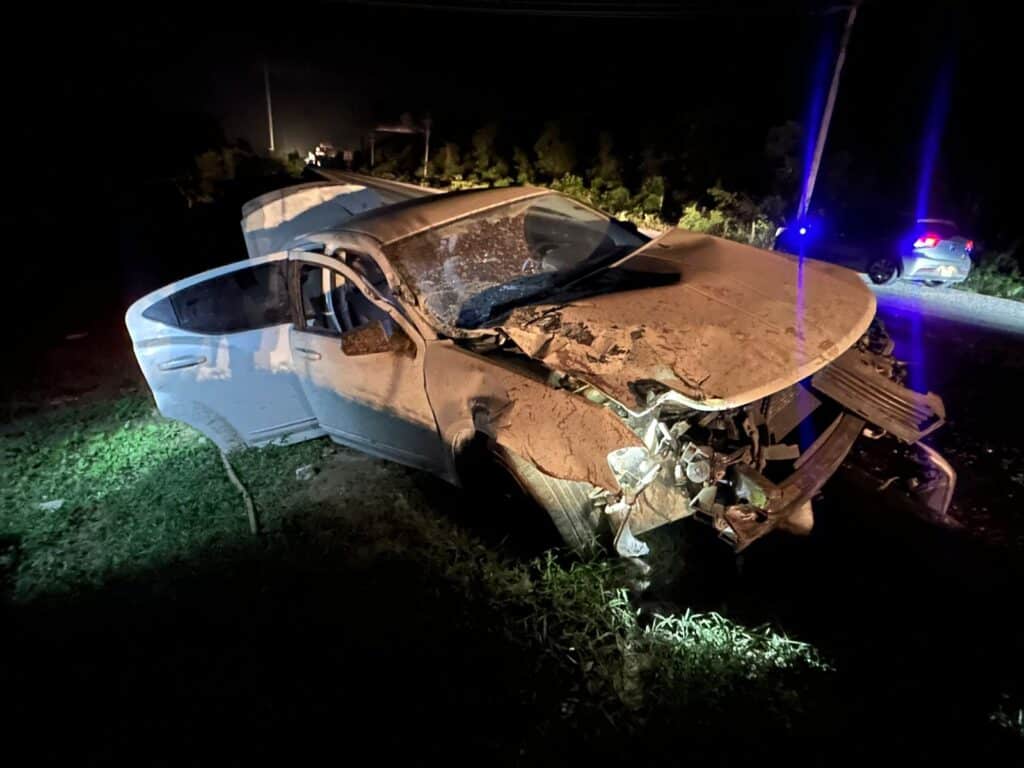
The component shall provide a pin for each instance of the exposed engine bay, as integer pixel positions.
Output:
(749, 470)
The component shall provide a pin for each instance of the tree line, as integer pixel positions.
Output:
(650, 187)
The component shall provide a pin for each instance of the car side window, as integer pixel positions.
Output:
(332, 305)
(243, 300)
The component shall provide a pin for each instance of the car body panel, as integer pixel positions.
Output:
(948, 261)
(237, 388)
(375, 402)
(396, 222)
(280, 220)
(739, 324)
(666, 391)
(565, 437)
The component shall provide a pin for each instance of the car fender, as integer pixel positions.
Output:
(564, 436)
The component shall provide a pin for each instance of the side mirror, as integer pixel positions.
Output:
(371, 339)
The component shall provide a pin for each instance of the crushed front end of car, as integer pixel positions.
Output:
(749, 470)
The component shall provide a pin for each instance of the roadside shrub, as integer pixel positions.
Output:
(572, 185)
(447, 163)
(651, 197)
(996, 274)
(615, 200)
(523, 166)
(733, 216)
(555, 156)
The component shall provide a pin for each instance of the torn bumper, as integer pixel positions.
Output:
(744, 523)
(854, 381)
(756, 504)
(664, 482)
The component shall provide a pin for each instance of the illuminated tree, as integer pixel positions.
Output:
(555, 157)
(448, 162)
(607, 173)
(488, 165)
(523, 166)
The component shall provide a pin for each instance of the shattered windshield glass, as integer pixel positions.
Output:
(470, 270)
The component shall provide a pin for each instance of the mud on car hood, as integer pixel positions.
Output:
(739, 324)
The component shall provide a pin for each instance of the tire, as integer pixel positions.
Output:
(883, 271)
(567, 502)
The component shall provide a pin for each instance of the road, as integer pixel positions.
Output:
(389, 191)
(974, 309)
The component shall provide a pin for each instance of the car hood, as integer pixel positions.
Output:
(740, 323)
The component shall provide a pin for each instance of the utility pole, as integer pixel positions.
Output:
(270, 112)
(426, 146)
(826, 118)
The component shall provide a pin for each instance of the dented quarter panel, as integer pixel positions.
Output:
(564, 436)
(740, 324)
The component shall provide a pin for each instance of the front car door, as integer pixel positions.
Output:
(216, 353)
(360, 363)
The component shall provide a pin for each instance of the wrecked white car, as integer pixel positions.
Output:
(624, 382)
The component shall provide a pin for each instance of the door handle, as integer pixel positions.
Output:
(309, 354)
(176, 363)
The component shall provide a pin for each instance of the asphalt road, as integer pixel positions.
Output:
(973, 309)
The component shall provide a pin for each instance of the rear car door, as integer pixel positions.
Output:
(215, 351)
(360, 365)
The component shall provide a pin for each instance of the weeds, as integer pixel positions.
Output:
(139, 492)
(580, 618)
(997, 274)
(88, 492)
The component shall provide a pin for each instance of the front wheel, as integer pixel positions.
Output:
(883, 271)
(568, 502)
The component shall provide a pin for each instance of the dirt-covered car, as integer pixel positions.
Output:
(623, 382)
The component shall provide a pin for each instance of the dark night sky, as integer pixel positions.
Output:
(121, 95)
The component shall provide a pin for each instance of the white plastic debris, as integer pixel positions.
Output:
(50, 506)
(305, 472)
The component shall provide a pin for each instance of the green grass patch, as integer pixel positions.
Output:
(92, 491)
(579, 616)
(141, 494)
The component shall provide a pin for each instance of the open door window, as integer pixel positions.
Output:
(332, 305)
(358, 361)
(215, 351)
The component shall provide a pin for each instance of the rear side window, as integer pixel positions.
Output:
(243, 300)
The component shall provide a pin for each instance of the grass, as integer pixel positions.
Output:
(140, 494)
(149, 550)
(131, 490)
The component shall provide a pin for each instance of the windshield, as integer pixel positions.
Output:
(469, 270)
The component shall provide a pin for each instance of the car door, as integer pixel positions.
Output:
(361, 366)
(216, 353)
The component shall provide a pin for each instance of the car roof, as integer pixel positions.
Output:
(398, 221)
